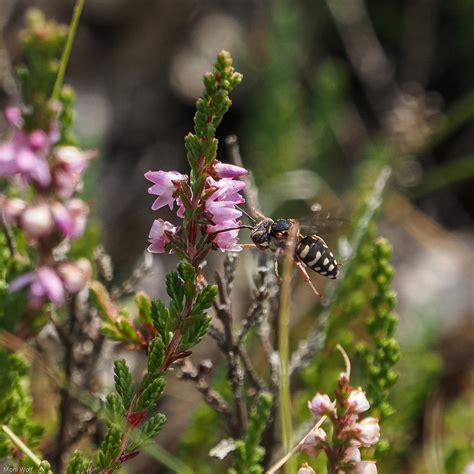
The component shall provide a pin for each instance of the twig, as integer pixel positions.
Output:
(22, 446)
(67, 48)
(129, 285)
(10, 240)
(213, 398)
(365, 53)
(290, 453)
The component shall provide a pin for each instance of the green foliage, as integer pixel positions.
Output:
(248, 452)
(123, 382)
(210, 109)
(156, 354)
(383, 352)
(110, 447)
(149, 429)
(45, 468)
(143, 302)
(152, 388)
(113, 410)
(15, 406)
(78, 464)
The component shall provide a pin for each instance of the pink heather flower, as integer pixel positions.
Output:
(351, 455)
(13, 116)
(12, 208)
(37, 220)
(314, 442)
(221, 207)
(357, 401)
(364, 467)
(44, 283)
(75, 275)
(306, 469)
(160, 235)
(70, 163)
(225, 170)
(469, 468)
(226, 190)
(78, 211)
(367, 431)
(166, 184)
(320, 405)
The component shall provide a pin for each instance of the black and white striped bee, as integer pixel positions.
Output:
(310, 251)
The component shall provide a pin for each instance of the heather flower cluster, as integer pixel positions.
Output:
(47, 175)
(205, 217)
(350, 431)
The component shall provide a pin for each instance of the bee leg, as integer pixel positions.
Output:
(277, 253)
(247, 246)
(306, 277)
(258, 214)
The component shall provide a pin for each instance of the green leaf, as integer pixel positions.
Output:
(175, 290)
(205, 299)
(160, 316)
(156, 354)
(150, 393)
(149, 429)
(143, 302)
(110, 447)
(114, 410)
(45, 468)
(123, 382)
(77, 464)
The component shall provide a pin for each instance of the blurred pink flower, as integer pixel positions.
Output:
(367, 431)
(37, 220)
(12, 208)
(44, 283)
(78, 211)
(70, 163)
(320, 404)
(75, 274)
(160, 235)
(166, 184)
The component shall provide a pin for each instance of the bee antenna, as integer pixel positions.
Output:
(245, 213)
(232, 228)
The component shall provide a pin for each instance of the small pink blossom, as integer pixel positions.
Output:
(226, 189)
(306, 469)
(165, 187)
(367, 431)
(314, 442)
(44, 283)
(357, 401)
(37, 220)
(226, 170)
(75, 275)
(12, 208)
(364, 467)
(78, 211)
(13, 116)
(320, 405)
(70, 163)
(160, 235)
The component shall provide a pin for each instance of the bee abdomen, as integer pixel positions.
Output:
(314, 253)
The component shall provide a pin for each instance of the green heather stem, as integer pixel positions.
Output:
(20, 445)
(67, 48)
(283, 346)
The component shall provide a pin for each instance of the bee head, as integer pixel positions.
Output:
(260, 234)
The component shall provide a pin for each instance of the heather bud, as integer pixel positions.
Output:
(306, 469)
(75, 274)
(37, 221)
(314, 442)
(367, 431)
(12, 210)
(320, 404)
(364, 467)
(357, 401)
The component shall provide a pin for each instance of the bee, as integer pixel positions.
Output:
(310, 251)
